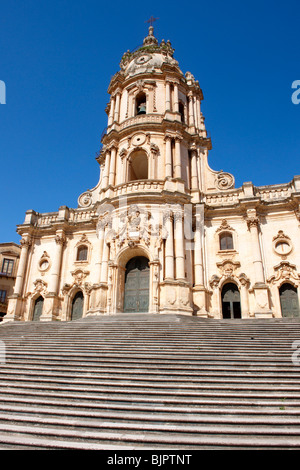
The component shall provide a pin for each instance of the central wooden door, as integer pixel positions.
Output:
(231, 304)
(136, 295)
(38, 309)
(77, 306)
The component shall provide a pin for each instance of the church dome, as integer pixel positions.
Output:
(148, 58)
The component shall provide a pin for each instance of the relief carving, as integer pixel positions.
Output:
(224, 181)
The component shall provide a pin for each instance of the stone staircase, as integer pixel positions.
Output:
(150, 382)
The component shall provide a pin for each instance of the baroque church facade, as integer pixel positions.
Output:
(161, 232)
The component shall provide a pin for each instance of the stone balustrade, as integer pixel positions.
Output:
(143, 118)
(221, 199)
(274, 194)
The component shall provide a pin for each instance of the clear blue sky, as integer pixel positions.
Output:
(57, 58)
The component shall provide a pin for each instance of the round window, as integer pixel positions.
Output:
(283, 247)
(44, 265)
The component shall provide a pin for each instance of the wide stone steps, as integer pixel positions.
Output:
(150, 382)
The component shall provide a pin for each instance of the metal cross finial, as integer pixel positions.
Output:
(151, 20)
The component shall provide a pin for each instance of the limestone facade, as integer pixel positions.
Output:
(9, 259)
(212, 249)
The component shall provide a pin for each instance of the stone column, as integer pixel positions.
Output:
(191, 111)
(198, 258)
(168, 97)
(169, 246)
(111, 111)
(56, 263)
(112, 168)
(106, 170)
(177, 164)
(100, 235)
(198, 111)
(168, 165)
(260, 290)
(195, 112)
(117, 107)
(25, 244)
(244, 295)
(154, 290)
(253, 223)
(194, 175)
(176, 98)
(179, 246)
(105, 258)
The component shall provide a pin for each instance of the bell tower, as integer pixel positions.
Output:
(152, 161)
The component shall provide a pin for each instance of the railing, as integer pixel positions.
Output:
(273, 194)
(82, 215)
(221, 199)
(74, 216)
(47, 219)
(139, 186)
(141, 119)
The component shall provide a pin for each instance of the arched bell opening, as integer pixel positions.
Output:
(141, 104)
(231, 301)
(138, 166)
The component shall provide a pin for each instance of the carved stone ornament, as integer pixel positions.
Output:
(215, 281)
(154, 148)
(285, 271)
(25, 242)
(60, 239)
(104, 220)
(83, 240)
(79, 276)
(85, 200)
(224, 181)
(252, 221)
(40, 286)
(244, 280)
(224, 226)
(228, 267)
(123, 153)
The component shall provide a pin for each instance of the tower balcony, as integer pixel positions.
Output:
(136, 120)
(146, 187)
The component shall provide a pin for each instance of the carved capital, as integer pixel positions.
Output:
(154, 148)
(244, 280)
(123, 153)
(215, 281)
(25, 242)
(60, 239)
(252, 222)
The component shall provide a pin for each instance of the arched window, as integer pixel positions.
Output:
(138, 166)
(226, 241)
(140, 103)
(181, 111)
(82, 253)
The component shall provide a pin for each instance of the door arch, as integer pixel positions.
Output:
(231, 301)
(38, 308)
(137, 278)
(289, 301)
(77, 306)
